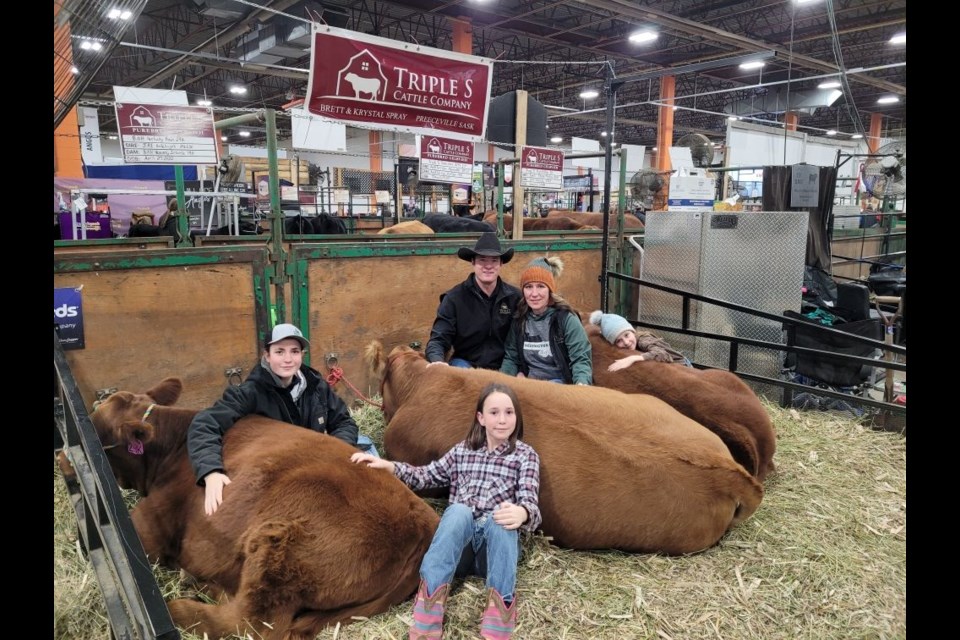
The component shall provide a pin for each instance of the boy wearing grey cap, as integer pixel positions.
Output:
(281, 387)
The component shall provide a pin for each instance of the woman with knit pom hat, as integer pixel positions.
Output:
(546, 340)
(618, 331)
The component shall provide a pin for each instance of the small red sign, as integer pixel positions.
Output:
(541, 168)
(396, 86)
(445, 160)
(166, 134)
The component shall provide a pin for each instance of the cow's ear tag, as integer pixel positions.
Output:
(320, 421)
(135, 447)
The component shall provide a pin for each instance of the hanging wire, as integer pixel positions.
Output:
(838, 56)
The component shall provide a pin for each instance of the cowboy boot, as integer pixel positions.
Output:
(499, 620)
(428, 613)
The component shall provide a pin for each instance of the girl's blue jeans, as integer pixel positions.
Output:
(463, 546)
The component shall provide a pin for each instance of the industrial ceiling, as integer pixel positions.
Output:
(553, 49)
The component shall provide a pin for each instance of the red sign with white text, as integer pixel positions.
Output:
(378, 83)
(541, 168)
(166, 134)
(445, 160)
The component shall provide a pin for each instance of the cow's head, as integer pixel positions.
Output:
(398, 373)
(124, 426)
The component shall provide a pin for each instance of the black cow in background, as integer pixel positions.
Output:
(320, 224)
(442, 223)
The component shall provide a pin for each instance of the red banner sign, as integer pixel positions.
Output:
(386, 84)
(541, 168)
(166, 134)
(445, 160)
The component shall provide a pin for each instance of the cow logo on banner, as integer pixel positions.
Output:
(379, 83)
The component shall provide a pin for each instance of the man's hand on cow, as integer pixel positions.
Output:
(510, 516)
(443, 362)
(372, 461)
(213, 493)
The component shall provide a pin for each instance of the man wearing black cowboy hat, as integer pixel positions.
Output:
(473, 317)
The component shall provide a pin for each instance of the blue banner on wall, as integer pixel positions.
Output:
(139, 171)
(68, 316)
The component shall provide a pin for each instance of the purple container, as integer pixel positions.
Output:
(98, 226)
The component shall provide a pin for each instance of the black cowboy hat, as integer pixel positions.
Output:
(487, 245)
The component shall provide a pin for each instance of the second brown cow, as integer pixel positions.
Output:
(717, 399)
(618, 471)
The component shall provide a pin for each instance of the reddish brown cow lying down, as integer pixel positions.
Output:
(718, 400)
(618, 471)
(304, 538)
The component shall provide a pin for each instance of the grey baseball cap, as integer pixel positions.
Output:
(284, 331)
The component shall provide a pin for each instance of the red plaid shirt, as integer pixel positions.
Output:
(482, 479)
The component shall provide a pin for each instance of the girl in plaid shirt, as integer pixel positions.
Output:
(494, 481)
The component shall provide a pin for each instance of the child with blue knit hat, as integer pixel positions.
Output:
(618, 331)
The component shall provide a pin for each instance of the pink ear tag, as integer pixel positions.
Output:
(135, 447)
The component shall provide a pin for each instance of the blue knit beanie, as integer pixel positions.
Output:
(611, 325)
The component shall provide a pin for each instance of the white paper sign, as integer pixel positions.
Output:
(681, 159)
(316, 134)
(585, 145)
(691, 193)
(446, 160)
(90, 136)
(805, 185)
(634, 157)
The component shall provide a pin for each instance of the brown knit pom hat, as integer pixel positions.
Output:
(543, 270)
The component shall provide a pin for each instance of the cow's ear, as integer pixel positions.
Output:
(133, 432)
(373, 356)
(167, 392)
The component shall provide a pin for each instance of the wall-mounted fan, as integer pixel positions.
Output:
(884, 175)
(701, 149)
(411, 181)
(647, 187)
(231, 169)
(316, 175)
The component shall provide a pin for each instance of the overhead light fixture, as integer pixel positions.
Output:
(118, 14)
(238, 90)
(603, 133)
(244, 134)
(74, 70)
(674, 107)
(111, 137)
(831, 132)
(806, 1)
(732, 118)
(829, 84)
(753, 64)
(643, 36)
(888, 100)
(587, 94)
(900, 38)
(857, 136)
(204, 103)
(654, 149)
(556, 139)
(223, 138)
